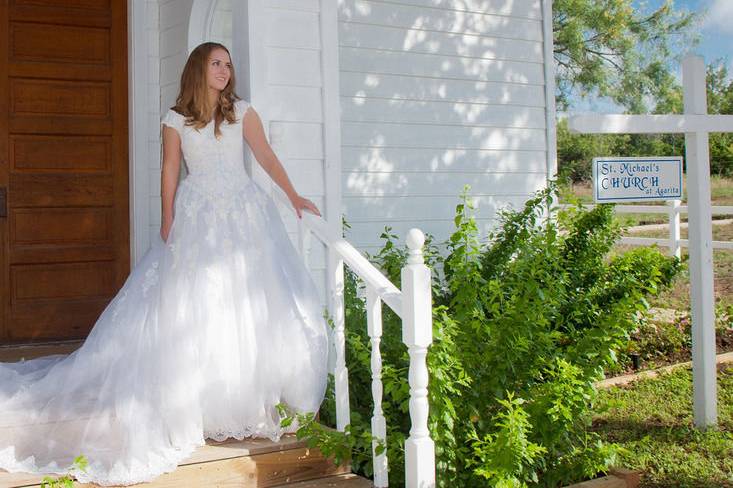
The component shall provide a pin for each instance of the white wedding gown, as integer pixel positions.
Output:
(210, 331)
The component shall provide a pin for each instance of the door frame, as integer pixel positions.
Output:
(141, 82)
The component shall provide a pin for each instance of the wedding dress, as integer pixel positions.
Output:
(210, 331)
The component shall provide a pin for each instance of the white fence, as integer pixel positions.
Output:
(413, 304)
(674, 209)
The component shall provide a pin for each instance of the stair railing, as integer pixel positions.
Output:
(413, 304)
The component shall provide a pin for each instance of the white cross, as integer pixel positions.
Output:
(696, 124)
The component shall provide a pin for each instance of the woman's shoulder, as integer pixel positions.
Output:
(240, 107)
(174, 113)
(173, 119)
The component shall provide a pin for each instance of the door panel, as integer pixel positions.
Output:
(36, 153)
(63, 160)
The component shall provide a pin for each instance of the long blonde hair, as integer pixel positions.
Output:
(193, 97)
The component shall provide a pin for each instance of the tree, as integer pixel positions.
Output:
(611, 49)
(720, 101)
(575, 151)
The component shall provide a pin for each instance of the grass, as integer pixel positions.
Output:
(652, 420)
(664, 336)
(721, 190)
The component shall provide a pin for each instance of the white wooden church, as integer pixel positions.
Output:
(380, 110)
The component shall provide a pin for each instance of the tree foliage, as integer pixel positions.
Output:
(575, 151)
(611, 49)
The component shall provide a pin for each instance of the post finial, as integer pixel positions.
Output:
(415, 241)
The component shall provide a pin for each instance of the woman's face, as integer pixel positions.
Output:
(219, 69)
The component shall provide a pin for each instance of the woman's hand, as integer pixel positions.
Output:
(300, 203)
(165, 229)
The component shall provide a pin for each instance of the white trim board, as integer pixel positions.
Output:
(139, 149)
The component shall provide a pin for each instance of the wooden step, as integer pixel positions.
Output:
(16, 352)
(340, 481)
(232, 463)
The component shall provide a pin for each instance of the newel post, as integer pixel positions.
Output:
(417, 334)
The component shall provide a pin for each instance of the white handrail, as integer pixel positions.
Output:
(413, 304)
(387, 291)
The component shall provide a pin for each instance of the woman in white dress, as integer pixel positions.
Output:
(218, 323)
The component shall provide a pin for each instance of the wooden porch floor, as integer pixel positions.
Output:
(248, 463)
(231, 463)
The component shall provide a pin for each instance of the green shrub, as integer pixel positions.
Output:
(67, 480)
(523, 326)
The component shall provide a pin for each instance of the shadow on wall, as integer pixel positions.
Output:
(433, 98)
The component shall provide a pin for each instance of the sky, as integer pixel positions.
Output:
(716, 28)
(716, 41)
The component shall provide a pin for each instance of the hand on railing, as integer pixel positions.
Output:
(299, 204)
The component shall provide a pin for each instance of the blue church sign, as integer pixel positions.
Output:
(637, 179)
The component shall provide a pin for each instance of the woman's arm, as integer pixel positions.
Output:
(169, 177)
(254, 134)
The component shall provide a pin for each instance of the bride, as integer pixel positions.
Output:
(217, 324)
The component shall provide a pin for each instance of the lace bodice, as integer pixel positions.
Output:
(214, 165)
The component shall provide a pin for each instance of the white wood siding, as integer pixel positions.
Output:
(436, 94)
(153, 129)
(144, 70)
(173, 52)
(293, 81)
(221, 23)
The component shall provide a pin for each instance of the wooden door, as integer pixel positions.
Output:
(64, 214)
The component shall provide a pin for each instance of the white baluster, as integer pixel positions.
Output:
(417, 334)
(379, 425)
(341, 373)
